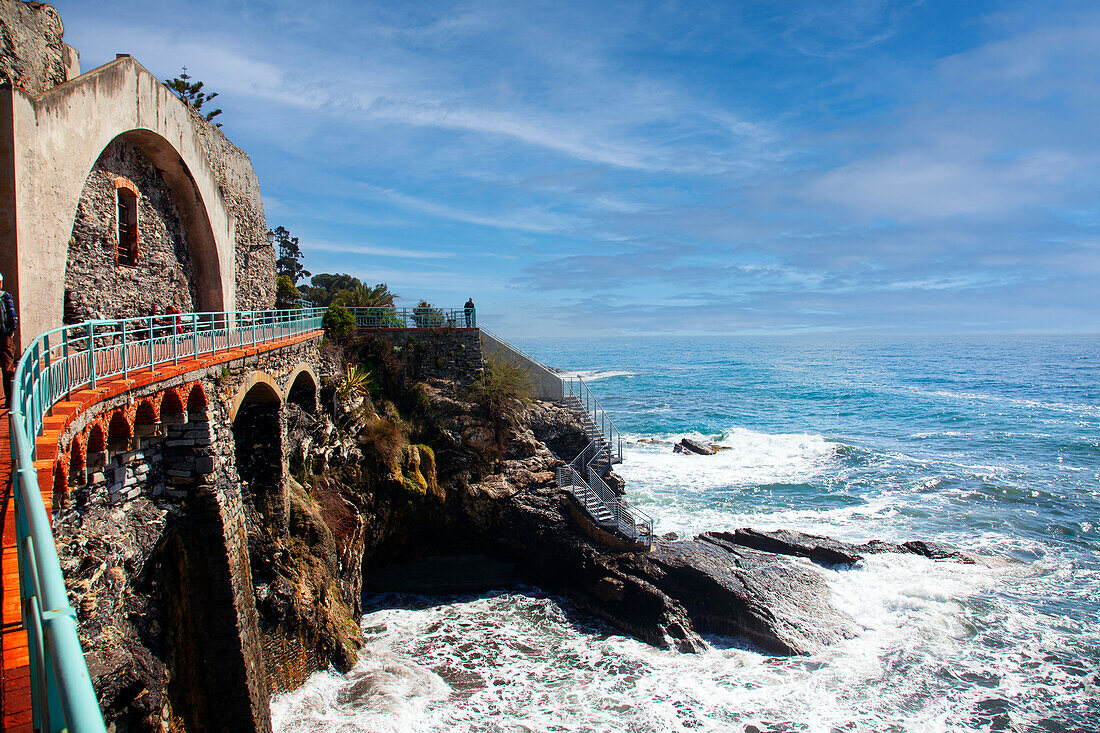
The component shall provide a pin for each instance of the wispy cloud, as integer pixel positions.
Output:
(861, 164)
(375, 251)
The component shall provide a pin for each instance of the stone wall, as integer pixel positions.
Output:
(96, 286)
(158, 539)
(444, 353)
(238, 184)
(32, 55)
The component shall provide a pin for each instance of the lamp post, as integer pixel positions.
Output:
(269, 243)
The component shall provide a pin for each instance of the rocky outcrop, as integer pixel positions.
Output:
(496, 495)
(827, 551)
(693, 446)
(32, 55)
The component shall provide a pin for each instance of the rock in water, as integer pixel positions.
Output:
(697, 447)
(781, 606)
(824, 550)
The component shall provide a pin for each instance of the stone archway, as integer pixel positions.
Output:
(58, 137)
(166, 257)
(302, 387)
(258, 449)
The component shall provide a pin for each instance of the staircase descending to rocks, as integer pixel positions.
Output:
(584, 476)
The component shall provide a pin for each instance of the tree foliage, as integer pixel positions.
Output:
(338, 323)
(286, 295)
(191, 93)
(323, 287)
(289, 261)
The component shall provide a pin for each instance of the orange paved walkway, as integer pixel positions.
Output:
(15, 695)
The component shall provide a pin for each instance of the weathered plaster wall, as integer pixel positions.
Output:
(98, 287)
(55, 140)
(32, 55)
(545, 383)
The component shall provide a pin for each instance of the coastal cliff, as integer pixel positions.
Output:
(409, 473)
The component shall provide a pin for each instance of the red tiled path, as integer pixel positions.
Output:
(15, 694)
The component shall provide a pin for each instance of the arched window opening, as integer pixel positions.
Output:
(126, 253)
(119, 434)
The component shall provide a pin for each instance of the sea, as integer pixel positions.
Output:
(991, 444)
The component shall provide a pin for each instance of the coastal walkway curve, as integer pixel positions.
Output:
(44, 682)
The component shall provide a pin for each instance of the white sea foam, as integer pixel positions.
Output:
(932, 651)
(595, 375)
(747, 458)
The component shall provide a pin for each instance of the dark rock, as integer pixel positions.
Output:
(824, 550)
(615, 482)
(697, 447)
(778, 605)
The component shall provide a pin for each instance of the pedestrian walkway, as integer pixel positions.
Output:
(15, 673)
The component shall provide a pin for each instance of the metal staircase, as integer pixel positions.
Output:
(583, 477)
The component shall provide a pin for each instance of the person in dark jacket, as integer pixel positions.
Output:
(9, 321)
(469, 307)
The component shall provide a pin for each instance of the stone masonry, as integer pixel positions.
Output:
(98, 286)
(155, 539)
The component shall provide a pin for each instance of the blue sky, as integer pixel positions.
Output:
(844, 166)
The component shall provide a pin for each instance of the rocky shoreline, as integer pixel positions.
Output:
(421, 486)
(496, 513)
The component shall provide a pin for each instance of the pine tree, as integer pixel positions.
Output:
(191, 93)
(289, 262)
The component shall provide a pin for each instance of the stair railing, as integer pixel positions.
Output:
(575, 387)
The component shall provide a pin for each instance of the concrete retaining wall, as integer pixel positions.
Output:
(545, 382)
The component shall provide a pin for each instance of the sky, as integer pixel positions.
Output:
(619, 168)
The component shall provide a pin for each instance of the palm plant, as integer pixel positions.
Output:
(362, 296)
(357, 382)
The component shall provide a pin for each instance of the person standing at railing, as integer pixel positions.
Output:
(469, 308)
(9, 321)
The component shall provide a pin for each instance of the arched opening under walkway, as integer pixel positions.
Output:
(257, 436)
(302, 390)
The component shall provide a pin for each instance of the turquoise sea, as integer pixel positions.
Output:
(992, 444)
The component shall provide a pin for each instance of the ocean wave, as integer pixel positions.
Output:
(746, 458)
(596, 375)
(934, 653)
(1074, 408)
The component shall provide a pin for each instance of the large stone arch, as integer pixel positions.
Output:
(273, 394)
(257, 423)
(57, 138)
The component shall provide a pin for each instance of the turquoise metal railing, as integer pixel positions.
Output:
(419, 317)
(56, 364)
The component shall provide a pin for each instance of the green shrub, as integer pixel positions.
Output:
(503, 387)
(286, 295)
(338, 323)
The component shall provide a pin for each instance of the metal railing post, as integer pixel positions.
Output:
(125, 360)
(91, 355)
(68, 366)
